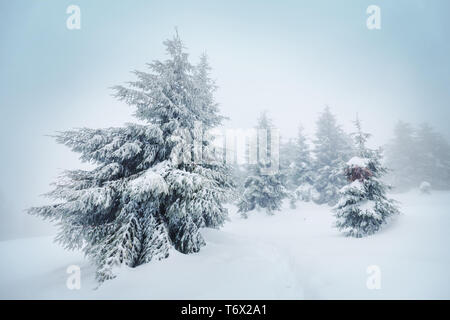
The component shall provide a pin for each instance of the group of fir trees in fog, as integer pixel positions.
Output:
(417, 155)
(338, 170)
(313, 169)
(149, 192)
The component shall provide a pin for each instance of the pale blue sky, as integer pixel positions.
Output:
(288, 57)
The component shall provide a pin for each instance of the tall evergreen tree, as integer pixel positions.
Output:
(302, 166)
(297, 166)
(416, 156)
(433, 157)
(151, 189)
(332, 148)
(287, 159)
(263, 188)
(402, 157)
(363, 207)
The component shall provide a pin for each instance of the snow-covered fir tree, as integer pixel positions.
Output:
(302, 166)
(363, 207)
(296, 164)
(239, 174)
(402, 157)
(287, 159)
(296, 160)
(433, 158)
(416, 156)
(155, 185)
(332, 148)
(301, 170)
(263, 189)
(287, 156)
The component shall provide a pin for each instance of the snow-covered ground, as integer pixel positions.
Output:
(295, 254)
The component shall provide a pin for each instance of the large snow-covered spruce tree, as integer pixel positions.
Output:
(151, 189)
(332, 148)
(263, 189)
(363, 207)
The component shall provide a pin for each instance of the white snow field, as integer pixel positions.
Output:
(294, 254)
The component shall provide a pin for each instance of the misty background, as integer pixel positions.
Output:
(290, 58)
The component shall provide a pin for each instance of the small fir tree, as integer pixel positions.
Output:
(263, 188)
(363, 207)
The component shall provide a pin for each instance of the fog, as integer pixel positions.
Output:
(290, 58)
